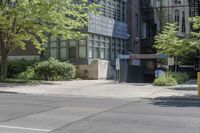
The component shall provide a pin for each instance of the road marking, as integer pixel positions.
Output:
(24, 128)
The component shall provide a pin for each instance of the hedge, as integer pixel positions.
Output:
(171, 78)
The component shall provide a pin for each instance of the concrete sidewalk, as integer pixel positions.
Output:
(101, 88)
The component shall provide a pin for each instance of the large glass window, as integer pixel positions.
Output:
(97, 53)
(90, 52)
(53, 49)
(113, 54)
(82, 49)
(108, 54)
(103, 53)
(63, 50)
(72, 49)
(104, 47)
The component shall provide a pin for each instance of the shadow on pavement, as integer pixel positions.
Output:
(177, 101)
(124, 83)
(190, 85)
(184, 88)
(8, 92)
(10, 85)
(191, 82)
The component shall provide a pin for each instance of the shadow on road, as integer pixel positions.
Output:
(177, 101)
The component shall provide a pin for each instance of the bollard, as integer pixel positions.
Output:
(198, 80)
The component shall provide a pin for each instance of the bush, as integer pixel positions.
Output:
(165, 80)
(179, 77)
(54, 70)
(16, 67)
(28, 74)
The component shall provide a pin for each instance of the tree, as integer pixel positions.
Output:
(188, 47)
(23, 21)
(168, 43)
(194, 38)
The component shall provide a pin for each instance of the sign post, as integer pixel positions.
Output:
(198, 80)
(170, 62)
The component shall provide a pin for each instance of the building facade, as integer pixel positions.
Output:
(124, 27)
(106, 40)
(154, 15)
(194, 8)
(169, 11)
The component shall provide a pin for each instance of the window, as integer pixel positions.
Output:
(72, 49)
(177, 1)
(183, 22)
(115, 9)
(53, 49)
(82, 49)
(103, 53)
(108, 53)
(123, 11)
(97, 52)
(63, 50)
(177, 16)
(113, 54)
(90, 52)
(104, 47)
(194, 8)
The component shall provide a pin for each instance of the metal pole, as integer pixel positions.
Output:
(116, 76)
(119, 70)
(198, 80)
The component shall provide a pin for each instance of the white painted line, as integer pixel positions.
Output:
(24, 128)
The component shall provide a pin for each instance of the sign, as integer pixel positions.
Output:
(135, 62)
(143, 56)
(170, 61)
(117, 64)
(161, 56)
(124, 56)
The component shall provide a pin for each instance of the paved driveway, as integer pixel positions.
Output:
(21, 113)
(100, 88)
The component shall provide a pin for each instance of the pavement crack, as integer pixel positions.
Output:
(95, 114)
(28, 114)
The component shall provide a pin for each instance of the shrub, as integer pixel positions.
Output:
(54, 70)
(16, 67)
(179, 77)
(165, 80)
(28, 74)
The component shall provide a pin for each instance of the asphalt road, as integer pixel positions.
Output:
(21, 113)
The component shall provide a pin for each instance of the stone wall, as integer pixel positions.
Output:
(98, 69)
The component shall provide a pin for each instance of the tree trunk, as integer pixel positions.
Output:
(4, 63)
